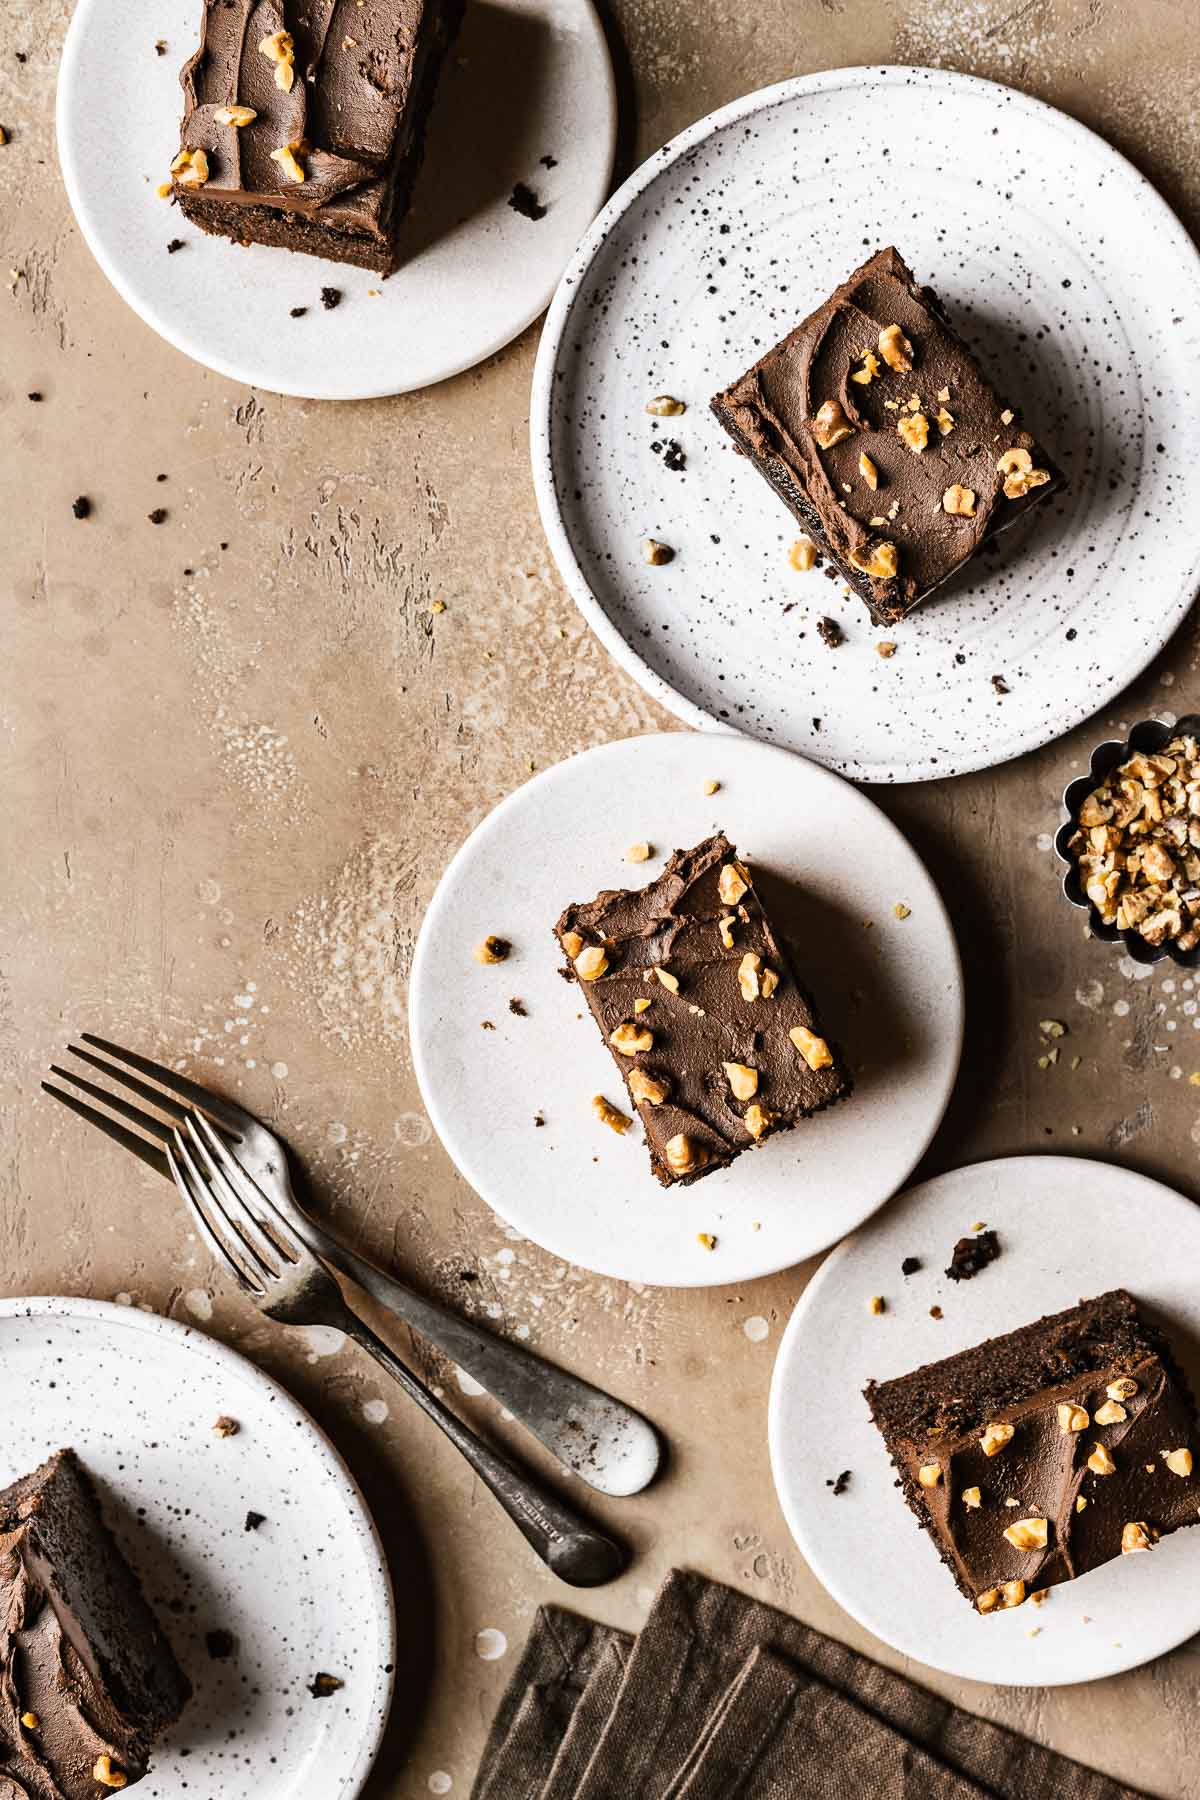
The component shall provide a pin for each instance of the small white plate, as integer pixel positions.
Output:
(1061, 266)
(307, 1592)
(1069, 1230)
(827, 860)
(526, 80)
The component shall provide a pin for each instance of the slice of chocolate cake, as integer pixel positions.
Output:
(87, 1678)
(1041, 1454)
(717, 1042)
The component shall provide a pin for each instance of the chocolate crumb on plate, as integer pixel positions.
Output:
(158, 516)
(225, 1427)
(830, 632)
(174, 245)
(971, 1254)
(840, 1483)
(298, 312)
(331, 297)
(518, 1008)
(523, 200)
(910, 1265)
(219, 1644)
(1001, 686)
(254, 1520)
(548, 162)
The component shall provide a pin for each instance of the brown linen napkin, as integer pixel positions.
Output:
(723, 1698)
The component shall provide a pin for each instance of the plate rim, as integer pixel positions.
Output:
(1162, 1194)
(429, 929)
(161, 324)
(108, 1313)
(561, 312)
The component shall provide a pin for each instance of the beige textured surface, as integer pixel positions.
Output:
(228, 795)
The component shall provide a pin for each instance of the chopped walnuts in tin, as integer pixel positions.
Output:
(1138, 845)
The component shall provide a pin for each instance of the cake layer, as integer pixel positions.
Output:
(697, 1000)
(1046, 1452)
(877, 427)
(310, 120)
(87, 1677)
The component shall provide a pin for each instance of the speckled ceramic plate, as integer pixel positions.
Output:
(1064, 270)
(477, 272)
(306, 1593)
(831, 868)
(1068, 1229)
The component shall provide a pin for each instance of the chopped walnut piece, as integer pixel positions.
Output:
(1135, 1536)
(288, 157)
(1008, 1594)
(638, 853)
(743, 1080)
(868, 471)
(813, 1049)
(190, 168)
(885, 648)
(830, 424)
(959, 501)
(1006, 417)
(225, 1427)
(803, 554)
(631, 1040)
(758, 1121)
(1178, 1461)
(706, 1240)
(1111, 1412)
(879, 561)
(869, 370)
(653, 1089)
(768, 982)
(591, 963)
(732, 883)
(877, 1304)
(995, 1436)
(684, 1155)
(929, 1474)
(1016, 466)
(895, 349)
(725, 925)
(669, 981)
(749, 975)
(610, 1115)
(280, 49)
(656, 553)
(493, 949)
(712, 787)
(945, 421)
(572, 943)
(106, 1772)
(972, 1498)
(915, 431)
(1100, 1462)
(1028, 1534)
(1072, 1418)
(665, 406)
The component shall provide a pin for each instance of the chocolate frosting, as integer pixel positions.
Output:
(44, 1670)
(355, 68)
(1045, 1470)
(772, 407)
(674, 923)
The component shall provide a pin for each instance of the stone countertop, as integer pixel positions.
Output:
(240, 747)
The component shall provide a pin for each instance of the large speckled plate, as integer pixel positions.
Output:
(1061, 266)
(307, 1592)
(832, 870)
(1068, 1229)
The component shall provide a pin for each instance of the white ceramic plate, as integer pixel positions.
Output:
(526, 79)
(1055, 258)
(308, 1591)
(827, 860)
(1069, 1229)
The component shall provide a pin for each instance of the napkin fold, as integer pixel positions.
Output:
(721, 1697)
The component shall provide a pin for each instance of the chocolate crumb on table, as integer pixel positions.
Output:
(718, 1044)
(81, 507)
(158, 516)
(878, 429)
(971, 1254)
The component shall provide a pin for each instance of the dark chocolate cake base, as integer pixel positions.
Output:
(1080, 1426)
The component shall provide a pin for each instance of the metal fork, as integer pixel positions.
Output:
(235, 1196)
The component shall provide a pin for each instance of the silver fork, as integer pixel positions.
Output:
(268, 1246)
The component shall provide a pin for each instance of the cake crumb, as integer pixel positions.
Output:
(971, 1254)
(322, 1685)
(830, 633)
(331, 297)
(714, 787)
(254, 1520)
(876, 1304)
(838, 1484)
(935, 1312)
(225, 1427)
(524, 201)
(518, 1008)
(706, 1240)
(901, 911)
(910, 1265)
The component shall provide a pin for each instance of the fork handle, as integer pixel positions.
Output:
(600, 1439)
(574, 1550)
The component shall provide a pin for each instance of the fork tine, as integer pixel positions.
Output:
(235, 1208)
(134, 1114)
(230, 1115)
(164, 1102)
(128, 1140)
(241, 1230)
(247, 1189)
(221, 1254)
